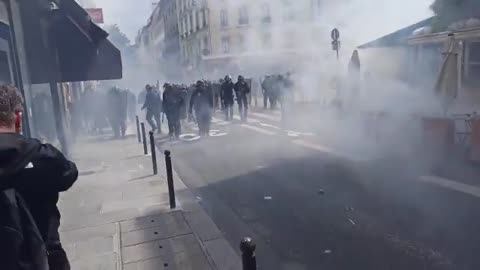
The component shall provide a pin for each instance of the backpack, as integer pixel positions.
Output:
(21, 245)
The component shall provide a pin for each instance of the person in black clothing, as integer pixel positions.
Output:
(202, 102)
(117, 111)
(172, 104)
(153, 104)
(227, 89)
(242, 89)
(37, 172)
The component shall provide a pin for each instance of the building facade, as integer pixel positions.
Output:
(241, 36)
(158, 42)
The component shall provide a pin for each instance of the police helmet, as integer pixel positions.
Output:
(240, 78)
(228, 78)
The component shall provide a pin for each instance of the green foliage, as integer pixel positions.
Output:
(449, 11)
(117, 37)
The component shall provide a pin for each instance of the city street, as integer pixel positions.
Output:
(314, 206)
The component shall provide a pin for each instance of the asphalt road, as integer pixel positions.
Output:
(309, 206)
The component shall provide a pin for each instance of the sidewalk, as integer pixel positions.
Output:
(117, 216)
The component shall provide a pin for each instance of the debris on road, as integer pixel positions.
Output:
(327, 251)
(267, 198)
(352, 222)
(349, 209)
(321, 192)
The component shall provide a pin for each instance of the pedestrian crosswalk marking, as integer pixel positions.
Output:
(270, 126)
(260, 130)
(452, 185)
(329, 150)
(266, 116)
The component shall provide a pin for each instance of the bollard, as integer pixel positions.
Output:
(249, 261)
(144, 138)
(171, 189)
(138, 130)
(154, 153)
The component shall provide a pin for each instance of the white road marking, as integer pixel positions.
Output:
(270, 126)
(260, 130)
(326, 149)
(452, 185)
(266, 116)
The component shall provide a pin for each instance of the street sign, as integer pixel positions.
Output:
(335, 34)
(96, 14)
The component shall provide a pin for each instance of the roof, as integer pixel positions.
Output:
(397, 38)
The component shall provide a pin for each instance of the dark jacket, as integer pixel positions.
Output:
(227, 91)
(242, 89)
(38, 172)
(153, 102)
(172, 100)
(201, 100)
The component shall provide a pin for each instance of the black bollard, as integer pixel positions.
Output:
(154, 153)
(138, 130)
(249, 261)
(144, 138)
(171, 188)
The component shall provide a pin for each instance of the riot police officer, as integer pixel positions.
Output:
(202, 101)
(117, 111)
(153, 104)
(242, 89)
(227, 94)
(172, 105)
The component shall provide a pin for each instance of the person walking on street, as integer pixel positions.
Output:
(227, 90)
(117, 111)
(153, 104)
(31, 176)
(202, 102)
(172, 104)
(242, 89)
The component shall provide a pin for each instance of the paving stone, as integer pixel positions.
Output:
(202, 225)
(168, 230)
(149, 250)
(71, 236)
(93, 247)
(105, 262)
(168, 219)
(133, 203)
(177, 261)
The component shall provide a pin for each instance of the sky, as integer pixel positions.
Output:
(378, 16)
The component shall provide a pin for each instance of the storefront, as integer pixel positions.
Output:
(53, 42)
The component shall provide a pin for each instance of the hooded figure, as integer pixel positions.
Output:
(172, 103)
(153, 104)
(227, 90)
(202, 101)
(34, 173)
(242, 89)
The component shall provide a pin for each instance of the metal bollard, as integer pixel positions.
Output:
(144, 138)
(249, 261)
(171, 188)
(138, 129)
(154, 153)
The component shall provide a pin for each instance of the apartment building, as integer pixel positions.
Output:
(244, 35)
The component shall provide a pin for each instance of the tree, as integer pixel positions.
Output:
(117, 37)
(450, 11)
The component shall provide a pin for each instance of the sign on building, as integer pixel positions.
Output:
(96, 14)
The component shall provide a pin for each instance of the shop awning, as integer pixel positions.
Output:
(83, 50)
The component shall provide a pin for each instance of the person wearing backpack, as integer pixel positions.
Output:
(31, 176)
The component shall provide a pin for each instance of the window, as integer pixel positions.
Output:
(472, 65)
(267, 40)
(223, 18)
(243, 15)
(198, 17)
(204, 18)
(225, 44)
(5, 75)
(266, 18)
(191, 23)
(241, 43)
